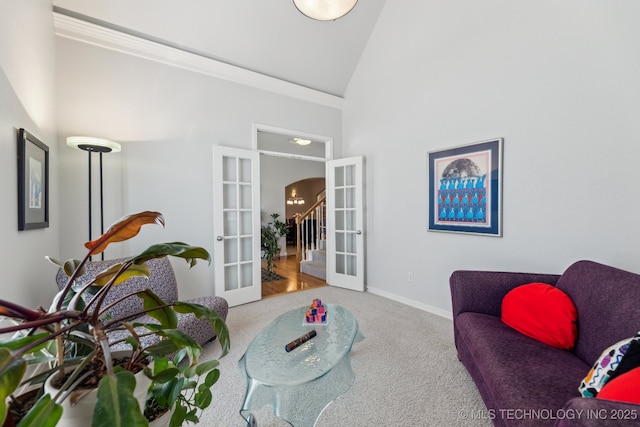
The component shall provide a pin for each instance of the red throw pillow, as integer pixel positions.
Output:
(542, 312)
(623, 388)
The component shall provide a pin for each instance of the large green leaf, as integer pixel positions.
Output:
(158, 309)
(116, 406)
(207, 366)
(45, 413)
(11, 372)
(177, 249)
(217, 321)
(162, 348)
(134, 270)
(20, 342)
(180, 339)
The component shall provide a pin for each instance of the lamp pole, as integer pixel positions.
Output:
(94, 145)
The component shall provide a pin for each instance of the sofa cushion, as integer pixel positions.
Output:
(518, 371)
(623, 388)
(542, 312)
(614, 360)
(606, 299)
(161, 280)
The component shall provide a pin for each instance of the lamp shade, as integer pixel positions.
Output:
(90, 143)
(325, 10)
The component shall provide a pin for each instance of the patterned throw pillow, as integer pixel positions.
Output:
(607, 365)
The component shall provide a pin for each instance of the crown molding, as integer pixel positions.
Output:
(97, 35)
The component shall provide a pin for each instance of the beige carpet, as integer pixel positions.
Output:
(407, 371)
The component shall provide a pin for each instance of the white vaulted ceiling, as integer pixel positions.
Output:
(268, 37)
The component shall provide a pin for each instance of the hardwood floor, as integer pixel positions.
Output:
(294, 280)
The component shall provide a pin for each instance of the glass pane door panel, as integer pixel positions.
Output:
(245, 223)
(245, 196)
(228, 169)
(351, 265)
(350, 222)
(339, 176)
(351, 243)
(340, 264)
(230, 251)
(230, 196)
(230, 277)
(340, 220)
(246, 272)
(350, 175)
(339, 198)
(245, 170)
(230, 223)
(340, 246)
(350, 197)
(245, 249)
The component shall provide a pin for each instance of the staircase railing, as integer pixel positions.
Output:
(311, 230)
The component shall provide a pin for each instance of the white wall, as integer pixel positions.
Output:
(168, 120)
(558, 80)
(27, 90)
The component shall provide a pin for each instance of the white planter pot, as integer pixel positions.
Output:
(81, 414)
(283, 245)
(163, 421)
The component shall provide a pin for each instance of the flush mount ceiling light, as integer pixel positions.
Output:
(300, 141)
(325, 10)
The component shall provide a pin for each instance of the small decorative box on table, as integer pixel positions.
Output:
(317, 313)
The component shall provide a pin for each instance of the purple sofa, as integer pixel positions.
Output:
(524, 382)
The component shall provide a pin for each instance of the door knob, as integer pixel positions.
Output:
(359, 232)
(219, 238)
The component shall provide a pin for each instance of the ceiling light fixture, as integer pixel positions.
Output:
(324, 10)
(300, 141)
(294, 199)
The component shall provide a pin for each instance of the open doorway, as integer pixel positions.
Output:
(288, 167)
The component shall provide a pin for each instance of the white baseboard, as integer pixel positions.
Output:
(411, 303)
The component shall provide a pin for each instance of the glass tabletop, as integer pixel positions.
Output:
(299, 384)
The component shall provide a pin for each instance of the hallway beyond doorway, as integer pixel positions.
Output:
(293, 280)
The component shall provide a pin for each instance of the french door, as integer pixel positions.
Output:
(345, 223)
(236, 224)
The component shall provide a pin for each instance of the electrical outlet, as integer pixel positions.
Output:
(410, 277)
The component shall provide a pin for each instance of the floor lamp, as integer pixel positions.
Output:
(94, 145)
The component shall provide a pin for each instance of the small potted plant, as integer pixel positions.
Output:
(270, 235)
(76, 331)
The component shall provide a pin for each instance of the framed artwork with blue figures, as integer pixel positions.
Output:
(465, 189)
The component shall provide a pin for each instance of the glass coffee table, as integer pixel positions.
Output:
(299, 384)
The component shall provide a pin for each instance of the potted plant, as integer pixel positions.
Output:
(184, 395)
(77, 335)
(270, 235)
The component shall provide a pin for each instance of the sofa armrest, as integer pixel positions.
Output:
(482, 291)
(591, 412)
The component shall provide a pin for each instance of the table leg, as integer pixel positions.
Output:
(251, 421)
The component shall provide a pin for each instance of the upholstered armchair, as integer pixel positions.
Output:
(162, 282)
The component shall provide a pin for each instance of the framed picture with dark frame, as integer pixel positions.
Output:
(33, 182)
(465, 189)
